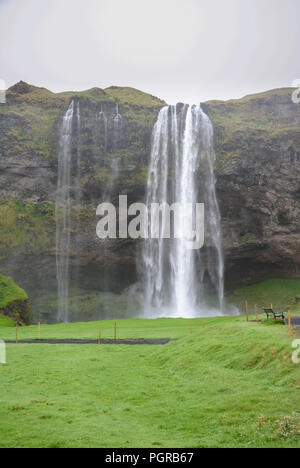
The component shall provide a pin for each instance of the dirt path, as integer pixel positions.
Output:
(70, 341)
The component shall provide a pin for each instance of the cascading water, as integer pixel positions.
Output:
(78, 198)
(63, 221)
(115, 161)
(104, 124)
(177, 281)
(78, 162)
(114, 173)
(117, 127)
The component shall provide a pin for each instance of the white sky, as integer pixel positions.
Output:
(178, 50)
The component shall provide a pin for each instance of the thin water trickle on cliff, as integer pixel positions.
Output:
(177, 281)
(117, 127)
(104, 124)
(63, 218)
(115, 161)
(78, 162)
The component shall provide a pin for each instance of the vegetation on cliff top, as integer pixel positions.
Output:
(134, 96)
(251, 126)
(256, 111)
(31, 117)
(282, 293)
(24, 92)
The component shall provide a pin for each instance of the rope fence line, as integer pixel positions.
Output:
(112, 335)
(292, 322)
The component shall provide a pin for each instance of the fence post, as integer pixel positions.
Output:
(17, 337)
(99, 341)
(247, 311)
(256, 314)
(115, 330)
(39, 330)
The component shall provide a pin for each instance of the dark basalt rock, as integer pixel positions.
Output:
(19, 311)
(257, 142)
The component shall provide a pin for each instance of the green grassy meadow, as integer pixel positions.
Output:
(229, 384)
(282, 293)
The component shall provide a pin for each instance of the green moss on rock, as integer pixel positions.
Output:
(14, 302)
(25, 228)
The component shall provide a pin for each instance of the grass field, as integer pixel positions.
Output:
(281, 293)
(229, 384)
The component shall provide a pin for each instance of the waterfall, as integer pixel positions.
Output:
(63, 218)
(117, 127)
(78, 162)
(115, 161)
(78, 196)
(103, 121)
(177, 281)
(114, 174)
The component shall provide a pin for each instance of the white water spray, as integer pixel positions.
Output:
(178, 281)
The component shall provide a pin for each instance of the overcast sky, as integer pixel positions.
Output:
(179, 50)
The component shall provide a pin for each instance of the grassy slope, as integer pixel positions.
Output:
(243, 127)
(254, 112)
(133, 96)
(47, 99)
(6, 322)
(10, 292)
(281, 293)
(230, 384)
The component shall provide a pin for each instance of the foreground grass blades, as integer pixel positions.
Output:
(228, 384)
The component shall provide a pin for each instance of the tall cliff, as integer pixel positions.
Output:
(257, 142)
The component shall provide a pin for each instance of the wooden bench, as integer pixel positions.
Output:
(275, 315)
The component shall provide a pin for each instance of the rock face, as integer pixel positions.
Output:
(257, 142)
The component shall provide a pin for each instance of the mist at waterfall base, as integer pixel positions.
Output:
(172, 281)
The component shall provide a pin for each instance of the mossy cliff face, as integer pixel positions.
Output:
(257, 142)
(113, 160)
(14, 302)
